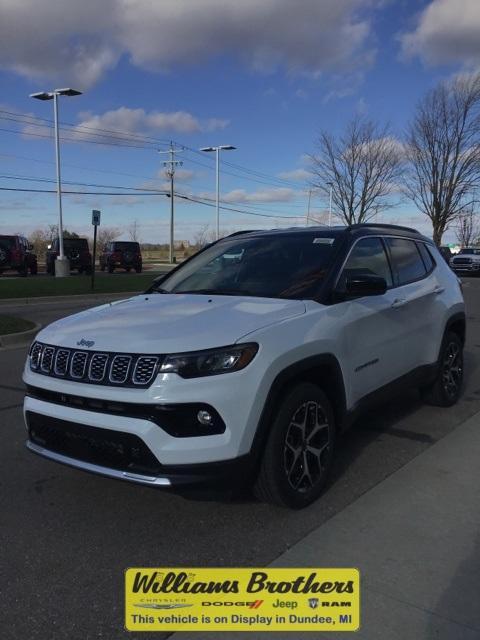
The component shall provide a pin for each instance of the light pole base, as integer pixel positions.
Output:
(62, 267)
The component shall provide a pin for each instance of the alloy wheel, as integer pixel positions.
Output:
(307, 446)
(452, 370)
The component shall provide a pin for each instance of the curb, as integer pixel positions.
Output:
(21, 338)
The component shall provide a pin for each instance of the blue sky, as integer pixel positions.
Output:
(264, 76)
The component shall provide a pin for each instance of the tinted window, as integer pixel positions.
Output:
(407, 261)
(471, 251)
(126, 246)
(427, 258)
(368, 257)
(7, 242)
(75, 243)
(271, 266)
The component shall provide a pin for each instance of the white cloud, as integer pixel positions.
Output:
(447, 31)
(301, 175)
(139, 121)
(77, 42)
(280, 194)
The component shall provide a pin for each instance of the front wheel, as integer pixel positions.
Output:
(446, 389)
(138, 269)
(299, 450)
(110, 268)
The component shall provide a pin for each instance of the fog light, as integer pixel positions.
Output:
(205, 418)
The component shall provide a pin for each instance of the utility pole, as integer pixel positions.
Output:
(170, 166)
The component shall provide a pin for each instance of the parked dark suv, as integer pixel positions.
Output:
(16, 254)
(76, 250)
(126, 255)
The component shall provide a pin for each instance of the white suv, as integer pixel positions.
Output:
(242, 364)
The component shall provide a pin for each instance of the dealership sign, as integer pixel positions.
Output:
(217, 599)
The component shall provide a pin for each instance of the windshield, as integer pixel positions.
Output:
(281, 266)
(471, 251)
(126, 246)
(7, 242)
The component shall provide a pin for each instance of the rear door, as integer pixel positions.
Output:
(416, 292)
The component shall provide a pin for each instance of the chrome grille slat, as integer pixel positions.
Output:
(144, 370)
(78, 364)
(35, 355)
(98, 367)
(47, 359)
(94, 367)
(61, 362)
(119, 369)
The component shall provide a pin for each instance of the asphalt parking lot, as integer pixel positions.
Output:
(66, 537)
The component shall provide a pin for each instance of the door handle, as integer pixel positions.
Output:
(399, 302)
(438, 290)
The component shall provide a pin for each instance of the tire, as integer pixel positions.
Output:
(138, 269)
(33, 270)
(128, 269)
(282, 479)
(446, 389)
(110, 268)
(88, 271)
(102, 267)
(23, 271)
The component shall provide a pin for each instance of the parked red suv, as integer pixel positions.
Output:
(126, 255)
(16, 254)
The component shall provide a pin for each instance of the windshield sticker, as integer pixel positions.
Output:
(323, 240)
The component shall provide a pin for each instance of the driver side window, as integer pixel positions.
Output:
(368, 257)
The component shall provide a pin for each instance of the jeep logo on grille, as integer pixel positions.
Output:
(85, 343)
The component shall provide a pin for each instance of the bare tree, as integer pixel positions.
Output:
(107, 234)
(361, 166)
(134, 231)
(443, 152)
(468, 228)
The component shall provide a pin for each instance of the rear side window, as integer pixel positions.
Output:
(406, 260)
(368, 257)
(426, 255)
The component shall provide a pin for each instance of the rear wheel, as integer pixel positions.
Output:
(110, 268)
(446, 389)
(128, 269)
(299, 450)
(138, 269)
(102, 267)
(33, 269)
(23, 271)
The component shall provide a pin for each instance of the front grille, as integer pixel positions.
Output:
(35, 355)
(462, 261)
(61, 362)
(144, 370)
(104, 447)
(79, 364)
(114, 369)
(47, 359)
(98, 367)
(119, 369)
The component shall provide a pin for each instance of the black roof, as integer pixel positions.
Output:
(353, 230)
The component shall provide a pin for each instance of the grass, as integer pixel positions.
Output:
(10, 324)
(35, 286)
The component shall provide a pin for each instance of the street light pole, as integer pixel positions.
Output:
(225, 147)
(62, 266)
(61, 256)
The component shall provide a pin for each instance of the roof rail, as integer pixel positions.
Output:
(237, 233)
(382, 226)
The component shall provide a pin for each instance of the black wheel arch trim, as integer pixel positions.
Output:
(456, 319)
(297, 372)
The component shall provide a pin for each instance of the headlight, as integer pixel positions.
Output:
(211, 362)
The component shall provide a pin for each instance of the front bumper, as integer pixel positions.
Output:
(466, 268)
(230, 474)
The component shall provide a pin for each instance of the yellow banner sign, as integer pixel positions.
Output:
(242, 599)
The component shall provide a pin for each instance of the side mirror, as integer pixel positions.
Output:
(364, 285)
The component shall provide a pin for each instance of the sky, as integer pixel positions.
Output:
(263, 75)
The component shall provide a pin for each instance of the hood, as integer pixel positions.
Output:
(169, 323)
